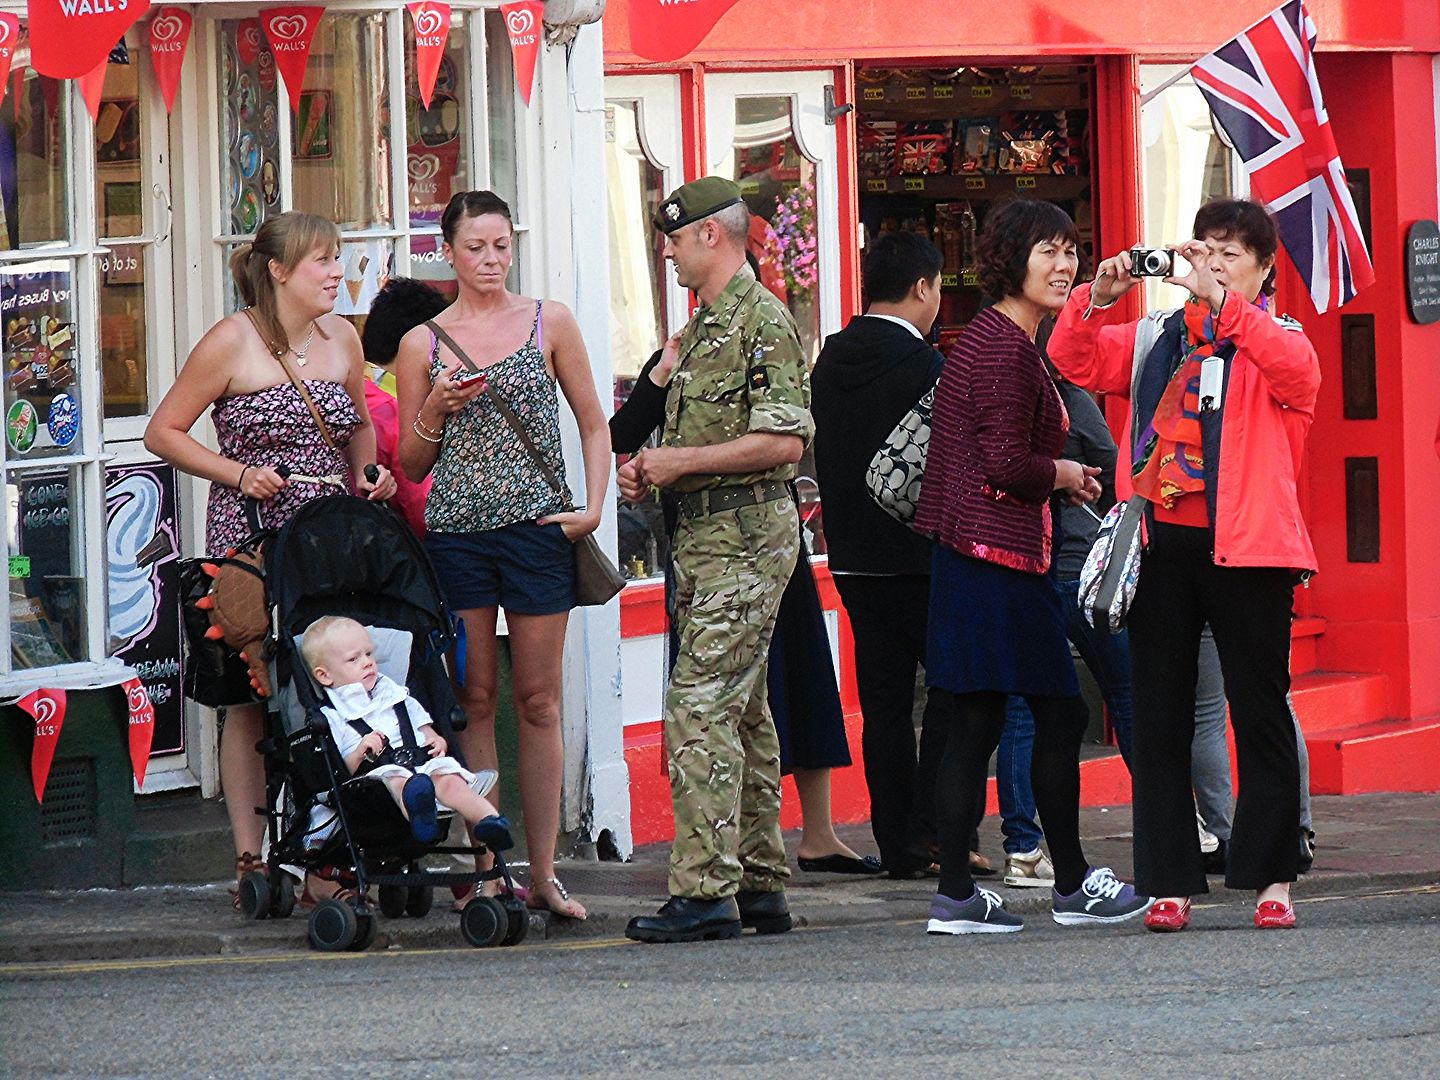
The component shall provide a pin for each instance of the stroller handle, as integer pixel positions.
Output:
(252, 505)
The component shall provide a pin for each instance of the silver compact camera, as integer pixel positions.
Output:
(1152, 262)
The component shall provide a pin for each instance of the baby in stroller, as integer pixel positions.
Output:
(384, 733)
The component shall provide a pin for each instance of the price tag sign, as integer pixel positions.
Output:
(949, 280)
(970, 277)
(1024, 183)
(982, 92)
(19, 566)
(877, 185)
(974, 183)
(1020, 90)
(942, 93)
(914, 183)
(916, 93)
(874, 93)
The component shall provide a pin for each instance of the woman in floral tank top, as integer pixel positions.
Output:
(288, 278)
(498, 531)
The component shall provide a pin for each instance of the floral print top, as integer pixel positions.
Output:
(485, 478)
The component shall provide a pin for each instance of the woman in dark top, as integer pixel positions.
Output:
(996, 624)
(804, 694)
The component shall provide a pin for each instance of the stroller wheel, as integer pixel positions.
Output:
(366, 925)
(517, 922)
(419, 901)
(392, 901)
(282, 901)
(484, 922)
(333, 926)
(255, 895)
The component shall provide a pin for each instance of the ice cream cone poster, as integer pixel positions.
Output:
(432, 28)
(169, 36)
(69, 37)
(290, 30)
(48, 709)
(524, 21)
(9, 35)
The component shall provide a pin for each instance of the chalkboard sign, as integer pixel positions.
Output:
(1422, 271)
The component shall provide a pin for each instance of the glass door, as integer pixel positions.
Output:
(643, 159)
(770, 133)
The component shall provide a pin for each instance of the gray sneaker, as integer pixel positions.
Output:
(1103, 898)
(983, 913)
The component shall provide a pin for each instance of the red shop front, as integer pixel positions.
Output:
(845, 119)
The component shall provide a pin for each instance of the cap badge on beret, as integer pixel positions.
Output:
(672, 210)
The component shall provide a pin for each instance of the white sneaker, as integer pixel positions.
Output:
(1029, 870)
(1209, 842)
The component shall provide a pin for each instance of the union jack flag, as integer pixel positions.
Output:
(1264, 93)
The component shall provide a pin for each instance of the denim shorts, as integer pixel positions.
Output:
(525, 568)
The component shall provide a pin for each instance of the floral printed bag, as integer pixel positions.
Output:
(895, 472)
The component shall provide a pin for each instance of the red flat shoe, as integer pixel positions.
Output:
(1168, 917)
(1273, 915)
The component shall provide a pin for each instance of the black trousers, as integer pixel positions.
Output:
(1249, 610)
(888, 619)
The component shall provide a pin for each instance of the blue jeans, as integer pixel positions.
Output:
(1108, 658)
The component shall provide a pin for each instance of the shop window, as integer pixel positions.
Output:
(340, 133)
(367, 263)
(43, 395)
(34, 139)
(47, 595)
(1186, 165)
(635, 187)
(250, 172)
(437, 158)
(500, 119)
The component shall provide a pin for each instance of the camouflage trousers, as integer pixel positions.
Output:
(731, 569)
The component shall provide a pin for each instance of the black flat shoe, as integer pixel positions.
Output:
(685, 918)
(764, 912)
(840, 864)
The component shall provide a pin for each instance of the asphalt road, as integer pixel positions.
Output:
(1355, 992)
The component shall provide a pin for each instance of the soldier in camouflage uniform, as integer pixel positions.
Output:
(736, 421)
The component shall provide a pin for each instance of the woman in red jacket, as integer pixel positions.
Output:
(996, 625)
(1222, 397)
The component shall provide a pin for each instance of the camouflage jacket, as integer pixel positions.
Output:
(741, 370)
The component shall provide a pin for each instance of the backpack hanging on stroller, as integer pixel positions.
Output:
(343, 555)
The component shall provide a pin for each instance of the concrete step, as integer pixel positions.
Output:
(1375, 755)
(179, 838)
(1332, 699)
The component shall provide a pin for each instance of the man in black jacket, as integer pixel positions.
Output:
(867, 377)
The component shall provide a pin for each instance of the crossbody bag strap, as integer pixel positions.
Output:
(299, 387)
(507, 413)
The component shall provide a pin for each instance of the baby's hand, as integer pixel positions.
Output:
(372, 746)
(437, 744)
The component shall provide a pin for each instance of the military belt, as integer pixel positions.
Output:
(731, 497)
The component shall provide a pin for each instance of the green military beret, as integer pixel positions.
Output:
(695, 200)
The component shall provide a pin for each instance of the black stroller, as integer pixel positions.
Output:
(347, 556)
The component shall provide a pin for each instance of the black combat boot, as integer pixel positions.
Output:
(764, 912)
(686, 918)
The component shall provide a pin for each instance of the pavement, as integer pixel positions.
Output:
(1364, 841)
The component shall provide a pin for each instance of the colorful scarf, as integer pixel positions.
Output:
(1171, 464)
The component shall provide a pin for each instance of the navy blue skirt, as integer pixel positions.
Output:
(993, 628)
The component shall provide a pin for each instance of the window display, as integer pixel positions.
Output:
(47, 581)
(250, 115)
(41, 391)
(34, 146)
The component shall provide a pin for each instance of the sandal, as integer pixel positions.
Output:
(244, 863)
(308, 899)
(536, 901)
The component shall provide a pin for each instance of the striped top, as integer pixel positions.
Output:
(998, 427)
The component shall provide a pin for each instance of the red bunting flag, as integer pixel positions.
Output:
(432, 27)
(48, 709)
(665, 30)
(290, 31)
(169, 35)
(9, 35)
(525, 21)
(69, 37)
(92, 85)
(142, 727)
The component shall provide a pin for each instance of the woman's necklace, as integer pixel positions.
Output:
(304, 349)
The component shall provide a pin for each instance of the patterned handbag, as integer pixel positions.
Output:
(1112, 569)
(895, 472)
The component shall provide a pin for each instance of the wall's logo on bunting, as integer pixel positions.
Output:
(523, 21)
(48, 709)
(249, 42)
(290, 31)
(69, 38)
(169, 36)
(9, 34)
(432, 28)
(667, 30)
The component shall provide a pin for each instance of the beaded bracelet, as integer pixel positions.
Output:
(437, 432)
(415, 427)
